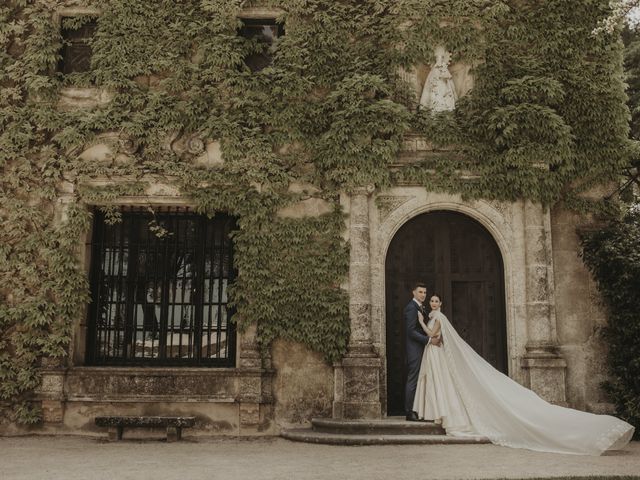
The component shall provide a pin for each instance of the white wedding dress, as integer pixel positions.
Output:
(459, 388)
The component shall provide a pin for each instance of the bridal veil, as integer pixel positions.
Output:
(514, 416)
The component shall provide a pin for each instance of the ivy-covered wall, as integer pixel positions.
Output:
(546, 120)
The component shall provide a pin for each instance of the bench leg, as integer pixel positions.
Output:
(174, 434)
(115, 434)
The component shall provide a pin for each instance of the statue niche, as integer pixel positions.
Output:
(437, 87)
(439, 92)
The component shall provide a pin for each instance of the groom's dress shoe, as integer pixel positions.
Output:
(412, 417)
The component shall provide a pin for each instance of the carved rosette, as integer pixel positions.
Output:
(128, 144)
(191, 144)
(195, 145)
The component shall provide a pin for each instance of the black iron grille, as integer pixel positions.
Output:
(159, 290)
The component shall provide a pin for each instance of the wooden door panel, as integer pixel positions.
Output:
(468, 313)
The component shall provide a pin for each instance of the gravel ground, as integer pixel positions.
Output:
(88, 458)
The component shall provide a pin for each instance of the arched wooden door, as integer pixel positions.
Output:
(456, 257)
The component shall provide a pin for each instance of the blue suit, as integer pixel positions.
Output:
(416, 341)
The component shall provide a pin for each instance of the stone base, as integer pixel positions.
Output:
(235, 401)
(249, 414)
(52, 411)
(357, 388)
(545, 375)
(389, 431)
(357, 410)
(601, 408)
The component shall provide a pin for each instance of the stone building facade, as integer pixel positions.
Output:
(549, 306)
(551, 317)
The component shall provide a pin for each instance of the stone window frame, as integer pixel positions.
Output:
(257, 14)
(161, 279)
(68, 387)
(158, 195)
(73, 42)
(70, 12)
(78, 97)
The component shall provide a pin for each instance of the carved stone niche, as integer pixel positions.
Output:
(79, 97)
(419, 77)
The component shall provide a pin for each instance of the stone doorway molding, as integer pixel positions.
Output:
(522, 232)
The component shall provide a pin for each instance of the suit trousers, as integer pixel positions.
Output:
(413, 369)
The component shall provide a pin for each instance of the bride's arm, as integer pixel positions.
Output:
(436, 339)
(426, 329)
(436, 328)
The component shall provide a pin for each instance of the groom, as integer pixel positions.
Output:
(416, 341)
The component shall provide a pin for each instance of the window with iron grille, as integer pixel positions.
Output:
(264, 31)
(159, 290)
(76, 48)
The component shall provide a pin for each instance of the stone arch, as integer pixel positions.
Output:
(503, 222)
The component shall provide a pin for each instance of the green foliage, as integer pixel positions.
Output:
(299, 288)
(546, 120)
(613, 256)
(631, 39)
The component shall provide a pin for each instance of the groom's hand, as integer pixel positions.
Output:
(436, 341)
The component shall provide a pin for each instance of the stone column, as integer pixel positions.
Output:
(51, 391)
(357, 377)
(255, 388)
(544, 367)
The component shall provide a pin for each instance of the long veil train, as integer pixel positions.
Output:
(514, 416)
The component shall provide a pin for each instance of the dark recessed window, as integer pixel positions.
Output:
(264, 32)
(76, 48)
(159, 290)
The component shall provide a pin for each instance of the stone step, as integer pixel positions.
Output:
(310, 436)
(388, 426)
(388, 431)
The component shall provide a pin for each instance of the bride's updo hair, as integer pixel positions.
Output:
(436, 294)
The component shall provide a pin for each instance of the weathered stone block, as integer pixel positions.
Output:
(359, 391)
(211, 157)
(359, 237)
(72, 98)
(52, 411)
(51, 384)
(303, 385)
(115, 383)
(164, 190)
(361, 410)
(250, 388)
(310, 207)
(249, 414)
(362, 384)
(409, 145)
(546, 377)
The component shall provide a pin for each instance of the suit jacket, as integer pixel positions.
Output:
(416, 338)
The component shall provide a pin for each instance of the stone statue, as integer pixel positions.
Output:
(439, 92)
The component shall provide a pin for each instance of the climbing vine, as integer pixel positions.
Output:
(546, 120)
(611, 255)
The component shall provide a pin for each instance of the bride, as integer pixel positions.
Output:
(463, 392)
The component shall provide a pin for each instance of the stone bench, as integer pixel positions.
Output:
(174, 425)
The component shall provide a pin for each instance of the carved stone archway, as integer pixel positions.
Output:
(458, 258)
(522, 233)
